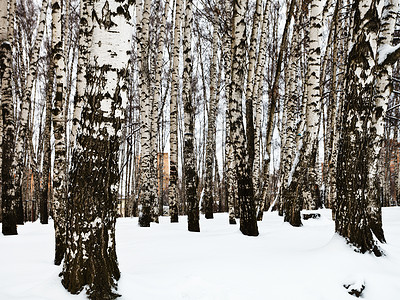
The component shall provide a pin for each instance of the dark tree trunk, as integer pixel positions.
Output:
(358, 207)
(9, 201)
(90, 256)
(248, 221)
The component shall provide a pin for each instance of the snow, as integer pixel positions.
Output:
(166, 261)
(386, 50)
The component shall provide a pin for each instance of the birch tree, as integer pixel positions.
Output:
(310, 188)
(146, 190)
(191, 179)
(230, 160)
(358, 212)
(248, 222)
(59, 128)
(90, 257)
(9, 218)
(208, 199)
(173, 107)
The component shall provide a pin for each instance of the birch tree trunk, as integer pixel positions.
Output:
(173, 136)
(3, 37)
(9, 218)
(191, 179)
(258, 91)
(90, 258)
(59, 125)
(250, 96)
(358, 212)
(84, 43)
(230, 160)
(310, 188)
(44, 193)
(248, 222)
(290, 127)
(3, 51)
(208, 199)
(146, 195)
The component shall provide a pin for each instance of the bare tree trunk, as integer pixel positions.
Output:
(358, 214)
(248, 221)
(230, 160)
(310, 187)
(91, 258)
(44, 195)
(173, 137)
(250, 96)
(146, 190)
(59, 128)
(9, 218)
(191, 179)
(257, 90)
(208, 199)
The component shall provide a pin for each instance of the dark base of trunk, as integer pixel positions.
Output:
(232, 221)
(292, 215)
(260, 215)
(209, 215)
(60, 250)
(248, 229)
(9, 224)
(193, 218)
(20, 212)
(194, 227)
(174, 219)
(145, 218)
(44, 215)
(144, 221)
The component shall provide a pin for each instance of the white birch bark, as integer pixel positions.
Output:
(250, 96)
(311, 192)
(191, 179)
(9, 201)
(387, 10)
(3, 34)
(59, 128)
(3, 39)
(248, 222)
(258, 92)
(173, 136)
(358, 213)
(146, 192)
(208, 199)
(230, 160)
(84, 44)
(90, 258)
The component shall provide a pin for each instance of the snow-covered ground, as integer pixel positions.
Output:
(168, 262)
